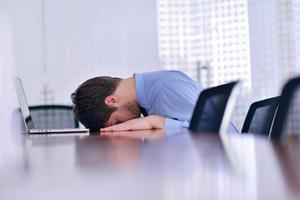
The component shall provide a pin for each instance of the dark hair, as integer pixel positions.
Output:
(88, 99)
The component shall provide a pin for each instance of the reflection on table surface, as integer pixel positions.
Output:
(150, 165)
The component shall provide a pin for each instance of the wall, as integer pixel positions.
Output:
(274, 36)
(10, 121)
(60, 43)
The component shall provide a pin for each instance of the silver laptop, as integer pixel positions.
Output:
(27, 116)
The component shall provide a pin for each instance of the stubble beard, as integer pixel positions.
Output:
(133, 109)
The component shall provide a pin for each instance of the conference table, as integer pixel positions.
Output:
(153, 164)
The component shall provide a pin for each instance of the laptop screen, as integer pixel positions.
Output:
(23, 103)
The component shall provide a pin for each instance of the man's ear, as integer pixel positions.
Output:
(111, 100)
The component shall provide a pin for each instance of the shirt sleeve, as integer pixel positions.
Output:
(172, 124)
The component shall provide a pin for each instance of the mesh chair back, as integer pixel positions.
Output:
(213, 109)
(287, 118)
(260, 116)
(53, 117)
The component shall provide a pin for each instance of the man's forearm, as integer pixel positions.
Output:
(144, 123)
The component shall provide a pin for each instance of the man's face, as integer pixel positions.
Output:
(124, 113)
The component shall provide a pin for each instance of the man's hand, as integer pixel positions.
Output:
(144, 123)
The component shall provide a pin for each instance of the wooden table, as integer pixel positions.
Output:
(149, 165)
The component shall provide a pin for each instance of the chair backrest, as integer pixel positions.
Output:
(214, 108)
(287, 118)
(260, 116)
(53, 116)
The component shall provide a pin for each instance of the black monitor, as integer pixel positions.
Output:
(260, 116)
(213, 109)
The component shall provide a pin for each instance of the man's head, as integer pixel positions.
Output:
(97, 103)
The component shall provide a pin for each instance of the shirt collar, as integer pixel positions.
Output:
(140, 90)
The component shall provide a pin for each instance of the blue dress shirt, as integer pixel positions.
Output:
(170, 94)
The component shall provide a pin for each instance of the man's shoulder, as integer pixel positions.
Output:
(170, 79)
(165, 74)
(166, 71)
(164, 79)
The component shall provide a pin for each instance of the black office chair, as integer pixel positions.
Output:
(287, 118)
(214, 108)
(260, 116)
(53, 116)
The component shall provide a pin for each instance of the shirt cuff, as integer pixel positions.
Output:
(173, 127)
